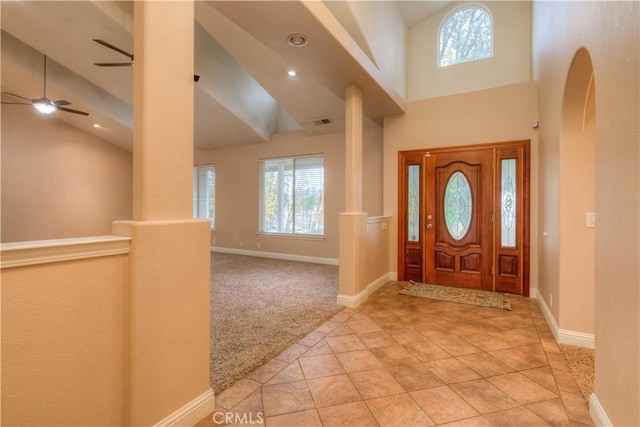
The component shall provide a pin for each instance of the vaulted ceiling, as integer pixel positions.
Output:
(242, 56)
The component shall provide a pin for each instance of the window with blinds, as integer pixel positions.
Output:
(204, 193)
(292, 195)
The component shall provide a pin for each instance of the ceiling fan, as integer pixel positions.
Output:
(122, 64)
(44, 104)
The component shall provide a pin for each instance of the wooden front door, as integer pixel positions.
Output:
(464, 217)
(458, 247)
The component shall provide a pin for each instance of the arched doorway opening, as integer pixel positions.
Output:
(577, 204)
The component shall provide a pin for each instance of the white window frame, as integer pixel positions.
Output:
(261, 219)
(198, 211)
(449, 16)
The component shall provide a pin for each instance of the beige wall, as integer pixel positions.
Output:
(493, 115)
(58, 181)
(575, 300)
(609, 32)
(120, 340)
(169, 305)
(377, 248)
(511, 61)
(238, 190)
(64, 343)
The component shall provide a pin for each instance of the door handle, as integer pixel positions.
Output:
(429, 226)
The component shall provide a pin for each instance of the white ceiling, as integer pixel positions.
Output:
(241, 54)
(414, 11)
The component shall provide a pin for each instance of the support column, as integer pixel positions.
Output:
(163, 110)
(168, 349)
(353, 222)
(353, 149)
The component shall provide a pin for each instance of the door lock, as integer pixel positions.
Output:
(429, 226)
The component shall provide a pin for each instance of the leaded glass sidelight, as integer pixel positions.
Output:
(458, 205)
(508, 204)
(413, 204)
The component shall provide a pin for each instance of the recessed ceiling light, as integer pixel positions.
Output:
(292, 73)
(297, 40)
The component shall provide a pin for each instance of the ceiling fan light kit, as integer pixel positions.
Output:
(44, 105)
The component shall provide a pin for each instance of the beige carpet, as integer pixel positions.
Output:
(581, 362)
(260, 307)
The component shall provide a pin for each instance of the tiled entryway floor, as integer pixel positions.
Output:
(406, 361)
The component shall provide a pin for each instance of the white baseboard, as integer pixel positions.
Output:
(378, 283)
(276, 255)
(192, 412)
(355, 301)
(565, 336)
(598, 415)
(551, 321)
(581, 339)
(352, 301)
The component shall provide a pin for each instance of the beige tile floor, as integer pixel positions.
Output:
(406, 361)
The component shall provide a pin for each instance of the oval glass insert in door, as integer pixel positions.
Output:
(458, 205)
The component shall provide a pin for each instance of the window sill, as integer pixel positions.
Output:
(291, 236)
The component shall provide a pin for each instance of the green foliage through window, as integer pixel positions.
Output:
(465, 35)
(293, 195)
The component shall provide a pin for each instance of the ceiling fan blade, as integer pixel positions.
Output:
(110, 46)
(113, 64)
(61, 103)
(69, 110)
(15, 103)
(16, 96)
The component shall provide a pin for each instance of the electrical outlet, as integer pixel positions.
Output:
(385, 225)
(242, 244)
(258, 245)
(551, 300)
(591, 220)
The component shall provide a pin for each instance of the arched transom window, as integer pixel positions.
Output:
(466, 34)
